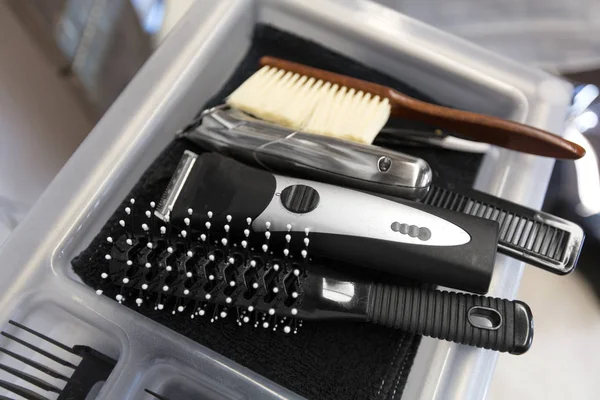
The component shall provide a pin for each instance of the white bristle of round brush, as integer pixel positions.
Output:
(311, 105)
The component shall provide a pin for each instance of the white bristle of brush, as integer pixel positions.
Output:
(311, 105)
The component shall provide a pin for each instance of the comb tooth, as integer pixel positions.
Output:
(156, 395)
(39, 350)
(21, 391)
(42, 336)
(31, 379)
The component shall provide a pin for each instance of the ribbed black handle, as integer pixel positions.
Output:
(481, 321)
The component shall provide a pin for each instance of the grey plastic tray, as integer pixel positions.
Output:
(39, 289)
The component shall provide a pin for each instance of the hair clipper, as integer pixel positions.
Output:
(399, 237)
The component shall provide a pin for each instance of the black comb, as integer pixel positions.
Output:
(535, 237)
(94, 367)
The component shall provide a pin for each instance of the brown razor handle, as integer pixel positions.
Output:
(469, 125)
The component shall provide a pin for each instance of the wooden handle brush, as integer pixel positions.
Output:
(322, 102)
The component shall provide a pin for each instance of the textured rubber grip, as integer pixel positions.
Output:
(481, 321)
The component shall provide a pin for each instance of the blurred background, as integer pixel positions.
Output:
(63, 63)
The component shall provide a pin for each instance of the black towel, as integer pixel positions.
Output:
(325, 360)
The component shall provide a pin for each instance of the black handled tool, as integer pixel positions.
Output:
(207, 278)
(403, 238)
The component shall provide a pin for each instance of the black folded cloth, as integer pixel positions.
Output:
(325, 360)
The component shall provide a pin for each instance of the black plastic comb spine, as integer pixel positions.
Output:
(36, 365)
(453, 316)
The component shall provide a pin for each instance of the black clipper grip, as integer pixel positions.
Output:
(487, 322)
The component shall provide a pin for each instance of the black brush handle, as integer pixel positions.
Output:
(481, 321)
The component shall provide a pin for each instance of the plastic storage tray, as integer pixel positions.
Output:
(39, 289)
